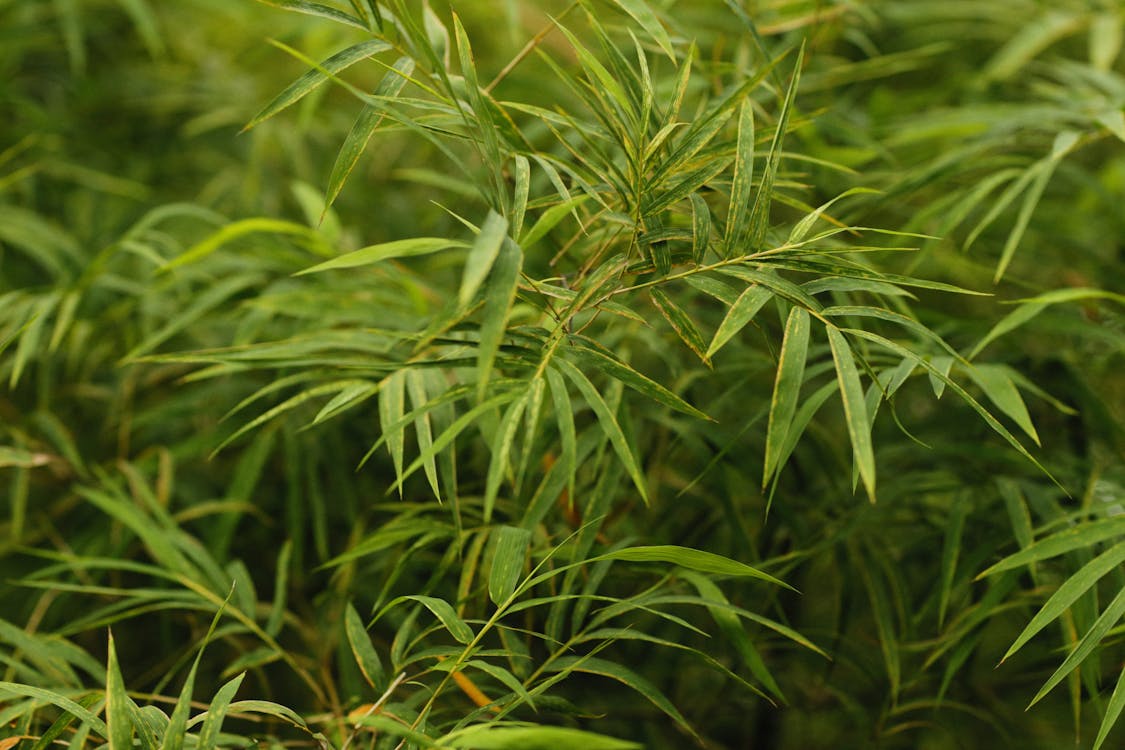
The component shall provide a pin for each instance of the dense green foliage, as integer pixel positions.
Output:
(594, 374)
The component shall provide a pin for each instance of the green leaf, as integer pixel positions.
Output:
(855, 408)
(1112, 711)
(1001, 391)
(951, 549)
(1091, 640)
(316, 77)
(549, 219)
(233, 231)
(615, 368)
(216, 713)
(787, 387)
(608, 422)
(643, 14)
(506, 737)
(118, 719)
(732, 628)
(1069, 592)
(739, 315)
(500, 463)
(385, 251)
(482, 255)
(759, 217)
(509, 555)
(692, 559)
(627, 677)
(391, 408)
(700, 227)
(681, 323)
(738, 219)
(445, 613)
(318, 10)
(500, 292)
(365, 126)
(362, 650)
(1082, 536)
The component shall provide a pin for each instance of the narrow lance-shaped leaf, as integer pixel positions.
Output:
(362, 650)
(1069, 592)
(499, 464)
(372, 254)
(608, 422)
(316, 77)
(1112, 711)
(740, 313)
(787, 387)
(509, 554)
(681, 323)
(1090, 641)
(500, 292)
(216, 713)
(759, 218)
(738, 218)
(365, 126)
(1082, 536)
(482, 256)
(855, 408)
(118, 720)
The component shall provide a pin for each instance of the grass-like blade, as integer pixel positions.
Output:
(1112, 711)
(855, 408)
(1069, 592)
(1093, 637)
(732, 628)
(608, 422)
(500, 462)
(118, 719)
(608, 363)
(392, 406)
(738, 218)
(759, 216)
(364, 653)
(318, 76)
(216, 713)
(507, 737)
(681, 323)
(739, 315)
(372, 254)
(692, 559)
(509, 554)
(445, 613)
(1082, 536)
(643, 14)
(482, 255)
(996, 383)
(500, 292)
(787, 387)
(365, 126)
(318, 10)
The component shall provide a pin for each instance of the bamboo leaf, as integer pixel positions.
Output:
(118, 719)
(608, 423)
(500, 292)
(509, 555)
(681, 323)
(1091, 640)
(362, 650)
(643, 14)
(364, 127)
(1069, 592)
(1112, 711)
(482, 255)
(787, 387)
(738, 219)
(855, 408)
(759, 216)
(385, 251)
(318, 76)
(216, 713)
(444, 612)
(692, 559)
(503, 737)
(739, 315)
(1082, 536)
